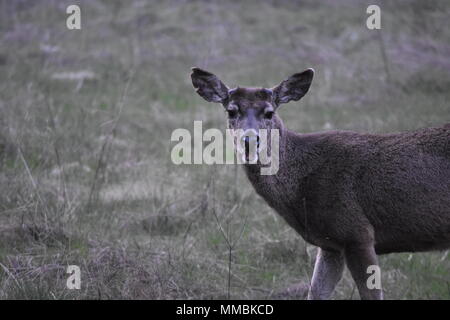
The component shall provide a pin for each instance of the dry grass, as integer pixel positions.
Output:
(86, 119)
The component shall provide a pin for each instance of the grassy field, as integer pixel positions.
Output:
(85, 125)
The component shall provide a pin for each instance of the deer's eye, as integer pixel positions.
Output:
(232, 113)
(268, 114)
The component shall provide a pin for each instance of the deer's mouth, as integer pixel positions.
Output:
(251, 148)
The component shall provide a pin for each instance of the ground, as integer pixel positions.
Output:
(86, 176)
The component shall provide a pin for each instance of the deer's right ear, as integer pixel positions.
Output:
(294, 88)
(209, 86)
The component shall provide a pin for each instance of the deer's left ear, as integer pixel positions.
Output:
(294, 88)
(208, 86)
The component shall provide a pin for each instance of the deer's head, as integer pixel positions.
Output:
(251, 109)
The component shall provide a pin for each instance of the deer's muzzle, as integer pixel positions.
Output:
(250, 142)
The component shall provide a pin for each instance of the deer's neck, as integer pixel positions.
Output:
(298, 157)
(286, 191)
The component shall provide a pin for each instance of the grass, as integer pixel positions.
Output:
(85, 170)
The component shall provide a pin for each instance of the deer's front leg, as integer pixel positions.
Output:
(358, 258)
(327, 273)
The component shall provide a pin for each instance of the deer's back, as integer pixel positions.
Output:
(398, 185)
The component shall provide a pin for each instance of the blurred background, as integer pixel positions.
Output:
(86, 118)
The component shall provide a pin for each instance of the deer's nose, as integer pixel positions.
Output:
(250, 136)
(254, 139)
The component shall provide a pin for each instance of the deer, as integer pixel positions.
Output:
(353, 195)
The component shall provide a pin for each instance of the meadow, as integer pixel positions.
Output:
(86, 118)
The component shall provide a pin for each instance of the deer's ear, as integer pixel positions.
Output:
(294, 88)
(209, 86)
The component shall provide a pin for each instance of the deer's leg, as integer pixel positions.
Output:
(327, 273)
(358, 258)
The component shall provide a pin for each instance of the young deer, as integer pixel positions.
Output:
(354, 195)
